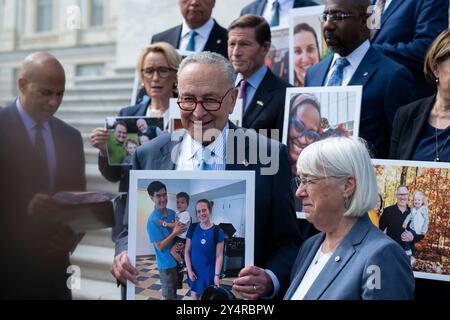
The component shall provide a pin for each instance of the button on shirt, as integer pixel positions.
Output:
(30, 126)
(253, 83)
(285, 5)
(190, 148)
(354, 59)
(202, 35)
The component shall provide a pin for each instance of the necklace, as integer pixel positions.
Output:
(436, 159)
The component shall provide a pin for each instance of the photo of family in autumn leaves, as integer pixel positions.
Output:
(414, 211)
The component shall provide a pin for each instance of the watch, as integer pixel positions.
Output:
(164, 224)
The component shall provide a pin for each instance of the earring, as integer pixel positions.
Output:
(437, 80)
(347, 202)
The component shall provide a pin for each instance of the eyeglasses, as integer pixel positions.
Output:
(209, 104)
(338, 16)
(163, 72)
(306, 182)
(299, 126)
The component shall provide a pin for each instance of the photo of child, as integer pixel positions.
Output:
(416, 222)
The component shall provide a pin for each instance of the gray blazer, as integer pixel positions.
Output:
(277, 238)
(350, 271)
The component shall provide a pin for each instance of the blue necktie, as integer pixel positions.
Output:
(276, 14)
(338, 73)
(191, 43)
(204, 156)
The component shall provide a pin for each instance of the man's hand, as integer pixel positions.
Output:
(122, 269)
(253, 283)
(99, 139)
(179, 228)
(407, 236)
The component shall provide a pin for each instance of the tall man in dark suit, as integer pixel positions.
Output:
(263, 93)
(40, 155)
(207, 98)
(199, 32)
(407, 28)
(276, 12)
(386, 84)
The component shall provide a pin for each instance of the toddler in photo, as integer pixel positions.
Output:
(183, 216)
(416, 222)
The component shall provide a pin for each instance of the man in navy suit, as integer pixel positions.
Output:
(199, 32)
(207, 98)
(408, 27)
(268, 8)
(386, 84)
(41, 155)
(263, 93)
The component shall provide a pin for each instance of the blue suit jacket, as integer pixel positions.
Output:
(257, 7)
(408, 27)
(277, 238)
(217, 41)
(364, 249)
(386, 87)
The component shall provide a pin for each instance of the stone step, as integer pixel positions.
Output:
(94, 262)
(115, 100)
(91, 155)
(100, 238)
(85, 125)
(99, 90)
(123, 79)
(96, 182)
(92, 289)
(88, 112)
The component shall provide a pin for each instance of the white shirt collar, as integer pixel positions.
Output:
(203, 31)
(217, 147)
(356, 56)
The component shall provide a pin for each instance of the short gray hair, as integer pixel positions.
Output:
(342, 157)
(210, 58)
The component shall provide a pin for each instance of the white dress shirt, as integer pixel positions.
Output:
(188, 159)
(354, 59)
(202, 35)
(285, 5)
(316, 266)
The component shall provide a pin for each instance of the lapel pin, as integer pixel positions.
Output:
(337, 259)
(219, 41)
(245, 163)
(366, 74)
(260, 103)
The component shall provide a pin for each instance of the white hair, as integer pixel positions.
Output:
(343, 157)
(210, 58)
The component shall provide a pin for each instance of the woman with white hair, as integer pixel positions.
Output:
(350, 259)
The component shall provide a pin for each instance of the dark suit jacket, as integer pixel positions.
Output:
(346, 278)
(217, 41)
(257, 7)
(276, 235)
(408, 27)
(28, 273)
(386, 86)
(266, 110)
(408, 124)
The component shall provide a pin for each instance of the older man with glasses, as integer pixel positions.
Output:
(210, 142)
